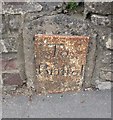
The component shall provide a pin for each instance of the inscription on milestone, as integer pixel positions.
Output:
(60, 62)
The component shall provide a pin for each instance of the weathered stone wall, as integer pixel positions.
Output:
(100, 16)
(21, 21)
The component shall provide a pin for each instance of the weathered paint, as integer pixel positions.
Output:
(60, 62)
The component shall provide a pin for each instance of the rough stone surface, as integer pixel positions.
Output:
(102, 8)
(49, 8)
(9, 64)
(11, 24)
(9, 88)
(101, 20)
(103, 85)
(11, 79)
(8, 44)
(20, 7)
(107, 55)
(109, 43)
(14, 22)
(58, 24)
(105, 75)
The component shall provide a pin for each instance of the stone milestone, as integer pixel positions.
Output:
(60, 62)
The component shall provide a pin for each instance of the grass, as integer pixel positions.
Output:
(71, 6)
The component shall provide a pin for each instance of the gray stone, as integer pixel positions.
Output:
(51, 6)
(9, 88)
(1, 28)
(106, 75)
(20, 7)
(33, 7)
(8, 45)
(10, 24)
(101, 20)
(14, 22)
(4, 24)
(109, 43)
(103, 85)
(59, 24)
(49, 9)
(103, 8)
(106, 58)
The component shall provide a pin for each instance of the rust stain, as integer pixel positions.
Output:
(60, 62)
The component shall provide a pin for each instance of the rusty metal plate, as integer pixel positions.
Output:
(60, 62)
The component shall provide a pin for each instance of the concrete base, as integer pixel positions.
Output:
(88, 104)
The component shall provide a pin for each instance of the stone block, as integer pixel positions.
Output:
(101, 20)
(109, 43)
(8, 44)
(20, 7)
(14, 22)
(106, 75)
(9, 88)
(12, 79)
(9, 64)
(60, 62)
(4, 24)
(103, 85)
(103, 8)
(49, 9)
(58, 24)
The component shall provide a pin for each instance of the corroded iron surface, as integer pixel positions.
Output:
(60, 62)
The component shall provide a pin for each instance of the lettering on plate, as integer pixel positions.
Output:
(60, 62)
